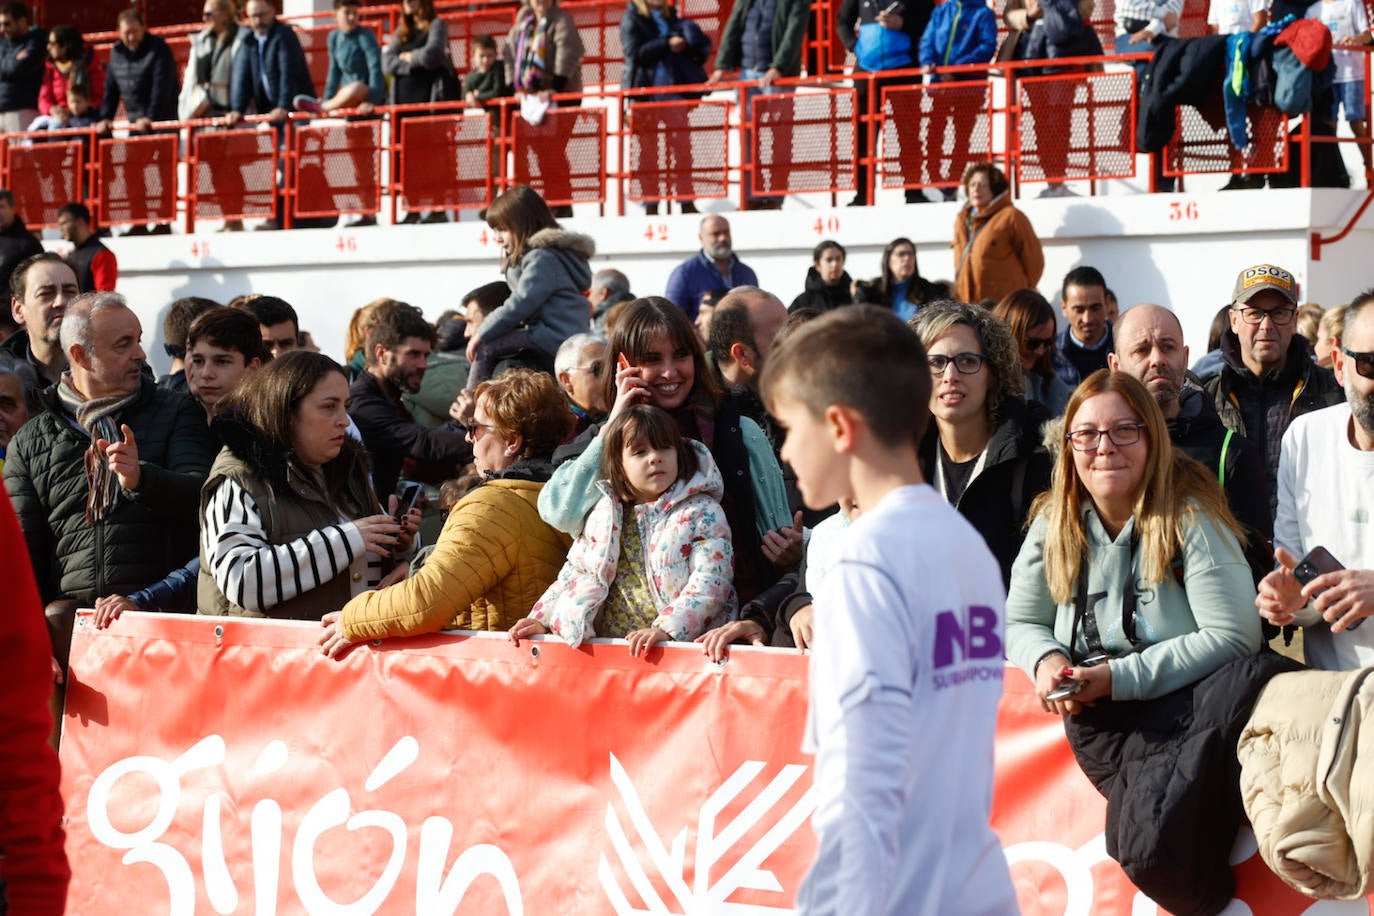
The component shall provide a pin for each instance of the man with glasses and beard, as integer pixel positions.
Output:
(1149, 346)
(398, 349)
(1267, 378)
(1326, 499)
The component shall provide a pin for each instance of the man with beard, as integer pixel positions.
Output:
(398, 349)
(1326, 498)
(1149, 346)
(1267, 378)
(714, 267)
(42, 286)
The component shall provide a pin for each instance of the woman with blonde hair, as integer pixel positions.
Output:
(1132, 608)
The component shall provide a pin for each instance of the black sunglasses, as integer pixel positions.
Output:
(1038, 343)
(1364, 362)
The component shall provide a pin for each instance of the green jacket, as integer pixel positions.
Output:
(150, 533)
(790, 18)
(1191, 628)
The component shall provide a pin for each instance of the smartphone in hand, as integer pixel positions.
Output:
(407, 497)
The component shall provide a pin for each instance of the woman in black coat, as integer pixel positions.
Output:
(827, 282)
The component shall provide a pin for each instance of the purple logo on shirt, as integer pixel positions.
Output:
(973, 635)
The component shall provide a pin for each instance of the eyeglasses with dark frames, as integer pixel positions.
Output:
(965, 363)
(1364, 362)
(1281, 316)
(1038, 343)
(1088, 439)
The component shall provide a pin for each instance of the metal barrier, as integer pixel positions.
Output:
(813, 136)
(1075, 126)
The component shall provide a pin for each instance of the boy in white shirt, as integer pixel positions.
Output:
(907, 659)
(1349, 25)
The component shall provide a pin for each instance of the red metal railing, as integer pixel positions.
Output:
(815, 135)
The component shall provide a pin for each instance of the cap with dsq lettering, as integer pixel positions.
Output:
(1257, 279)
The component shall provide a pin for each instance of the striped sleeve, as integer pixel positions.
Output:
(258, 575)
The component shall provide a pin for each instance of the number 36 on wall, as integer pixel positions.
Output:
(1183, 211)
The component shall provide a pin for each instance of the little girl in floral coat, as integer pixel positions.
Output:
(654, 561)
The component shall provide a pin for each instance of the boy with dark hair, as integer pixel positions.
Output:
(222, 347)
(180, 315)
(907, 652)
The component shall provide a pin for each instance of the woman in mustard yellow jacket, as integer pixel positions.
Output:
(996, 251)
(495, 556)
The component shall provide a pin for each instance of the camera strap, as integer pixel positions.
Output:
(1085, 617)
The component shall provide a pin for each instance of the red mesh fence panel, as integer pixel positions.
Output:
(1193, 22)
(446, 162)
(932, 133)
(234, 173)
(337, 168)
(315, 44)
(598, 24)
(803, 142)
(563, 158)
(139, 179)
(677, 150)
(1200, 146)
(43, 177)
(1076, 126)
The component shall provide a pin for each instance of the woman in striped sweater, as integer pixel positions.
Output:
(290, 526)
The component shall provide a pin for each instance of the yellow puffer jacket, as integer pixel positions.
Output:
(492, 561)
(1307, 762)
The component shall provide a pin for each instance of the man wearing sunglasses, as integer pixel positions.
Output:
(1326, 499)
(1267, 376)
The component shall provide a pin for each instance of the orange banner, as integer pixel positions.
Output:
(224, 766)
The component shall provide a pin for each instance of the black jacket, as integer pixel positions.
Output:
(645, 48)
(21, 70)
(391, 436)
(1016, 470)
(145, 78)
(1169, 771)
(1198, 432)
(150, 533)
(1183, 71)
(17, 245)
(1261, 408)
(823, 297)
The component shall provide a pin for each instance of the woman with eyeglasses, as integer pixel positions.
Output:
(1132, 609)
(70, 63)
(983, 453)
(1133, 552)
(1031, 319)
(495, 556)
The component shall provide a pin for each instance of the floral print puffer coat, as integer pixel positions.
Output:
(686, 546)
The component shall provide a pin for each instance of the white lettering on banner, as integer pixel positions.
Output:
(435, 892)
(704, 897)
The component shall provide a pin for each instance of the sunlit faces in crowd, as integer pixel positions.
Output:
(1110, 452)
(319, 423)
(213, 372)
(1085, 308)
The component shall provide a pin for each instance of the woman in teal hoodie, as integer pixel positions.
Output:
(1133, 554)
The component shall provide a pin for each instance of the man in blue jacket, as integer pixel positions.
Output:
(269, 72)
(22, 54)
(884, 36)
(271, 69)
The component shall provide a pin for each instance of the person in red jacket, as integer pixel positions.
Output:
(33, 861)
(97, 270)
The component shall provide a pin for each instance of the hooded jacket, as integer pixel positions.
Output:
(546, 290)
(1306, 761)
(686, 546)
(823, 296)
(494, 558)
(960, 32)
(149, 533)
(996, 251)
(1015, 471)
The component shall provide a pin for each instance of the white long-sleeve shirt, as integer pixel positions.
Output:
(906, 675)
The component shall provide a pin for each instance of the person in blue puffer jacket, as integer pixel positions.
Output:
(960, 32)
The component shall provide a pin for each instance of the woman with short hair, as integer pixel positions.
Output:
(996, 249)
